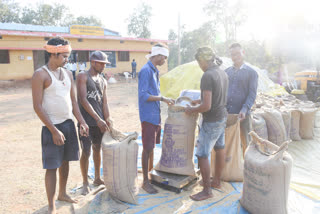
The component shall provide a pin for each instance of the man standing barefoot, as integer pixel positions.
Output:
(214, 88)
(149, 109)
(92, 98)
(54, 102)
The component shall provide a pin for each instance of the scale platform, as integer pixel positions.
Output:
(172, 182)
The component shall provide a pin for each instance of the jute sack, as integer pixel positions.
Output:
(259, 125)
(233, 169)
(286, 117)
(120, 156)
(267, 172)
(276, 129)
(178, 142)
(307, 122)
(295, 125)
(317, 120)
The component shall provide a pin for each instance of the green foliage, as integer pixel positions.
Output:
(9, 11)
(42, 14)
(139, 21)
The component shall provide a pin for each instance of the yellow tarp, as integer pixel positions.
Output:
(188, 76)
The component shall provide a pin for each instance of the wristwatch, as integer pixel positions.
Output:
(161, 98)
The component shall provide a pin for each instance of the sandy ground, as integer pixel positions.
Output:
(21, 174)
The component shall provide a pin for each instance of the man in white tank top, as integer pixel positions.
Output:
(54, 102)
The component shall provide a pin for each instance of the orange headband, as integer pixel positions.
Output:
(58, 48)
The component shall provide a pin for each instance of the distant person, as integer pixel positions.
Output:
(149, 109)
(74, 69)
(92, 98)
(54, 102)
(82, 66)
(243, 84)
(134, 68)
(212, 105)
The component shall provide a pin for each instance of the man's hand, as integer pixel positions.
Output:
(58, 138)
(103, 126)
(168, 101)
(84, 129)
(242, 116)
(195, 102)
(189, 110)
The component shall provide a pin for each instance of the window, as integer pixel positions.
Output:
(4, 57)
(123, 56)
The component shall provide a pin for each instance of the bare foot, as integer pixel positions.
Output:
(98, 182)
(52, 210)
(215, 183)
(66, 198)
(149, 188)
(85, 189)
(200, 196)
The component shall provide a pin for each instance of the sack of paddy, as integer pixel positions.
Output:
(178, 140)
(120, 156)
(276, 129)
(317, 120)
(286, 117)
(233, 169)
(295, 125)
(267, 172)
(259, 125)
(307, 122)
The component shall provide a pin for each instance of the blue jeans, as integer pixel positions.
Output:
(211, 136)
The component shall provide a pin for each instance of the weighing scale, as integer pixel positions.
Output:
(172, 182)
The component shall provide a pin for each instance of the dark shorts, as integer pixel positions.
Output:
(150, 135)
(95, 137)
(53, 155)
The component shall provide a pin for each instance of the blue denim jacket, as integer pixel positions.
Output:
(243, 84)
(149, 84)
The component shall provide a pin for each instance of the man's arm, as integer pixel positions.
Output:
(106, 113)
(204, 106)
(38, 79)
(143, 87)
(84, 129)
(82, 90)
(253, 85)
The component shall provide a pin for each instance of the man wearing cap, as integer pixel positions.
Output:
(54, 102)
(92, 98)
(149, 109)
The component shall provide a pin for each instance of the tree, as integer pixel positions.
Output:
(191, 41)
(173, 50)
(139, 21)
(9, 11)
(227, 16)
(42, 14)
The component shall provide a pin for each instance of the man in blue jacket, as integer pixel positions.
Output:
(149, 109)
(243, 83)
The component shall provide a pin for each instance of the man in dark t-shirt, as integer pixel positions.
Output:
(214, 88)
(92, 98)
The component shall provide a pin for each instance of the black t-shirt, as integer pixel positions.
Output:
(216, 81)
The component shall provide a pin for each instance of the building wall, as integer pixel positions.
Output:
(23, 69)
(17, 69)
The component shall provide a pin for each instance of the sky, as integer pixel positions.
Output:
(266, 18)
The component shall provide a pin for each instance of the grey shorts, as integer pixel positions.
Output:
(211, 136)
(95, 137)
(53, 155)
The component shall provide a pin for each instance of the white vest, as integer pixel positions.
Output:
(56, 98)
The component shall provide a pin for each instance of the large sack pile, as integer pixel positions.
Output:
(267, 172)
(285, 118)
(178, 140)
(233, 169)
(120, 156)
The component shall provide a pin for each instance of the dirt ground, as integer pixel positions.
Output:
(21, 174)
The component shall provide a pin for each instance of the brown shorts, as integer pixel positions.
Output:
(150, 135)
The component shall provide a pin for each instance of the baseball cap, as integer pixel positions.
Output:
(99, 56)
